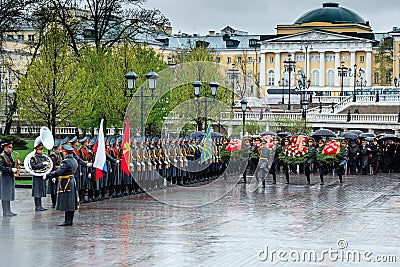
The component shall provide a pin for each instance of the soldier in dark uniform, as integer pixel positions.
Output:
(341, 164)
(275, 162)
(364, 151)
(115, 181)
(85, 170)
(56, 157)
(308, 165)
(66, 190)
(38, 162)
(321, 165)
(286, 166)
(354, 152)
(262, 169)
(82, 168)
(7, 180)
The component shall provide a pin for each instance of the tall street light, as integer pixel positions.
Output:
(342, 72)
(131, 84)
(353, 73)
(289, 67)
(243, 105)
(284, 82)
(214, 91)
(305, 98)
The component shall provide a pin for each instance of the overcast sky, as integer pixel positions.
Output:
(262, 16)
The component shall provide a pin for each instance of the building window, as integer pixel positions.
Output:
(239, 60)
(10, 37)
(331, 78)
(218, 60)
(271, 59)
(259, 59)
(31, 38)
(20, 37)
(315, 78)
(376, 59)
(376, 78)
(249, 60)
(362, 59)
(228, 60)
(271, 77)
(388, 80)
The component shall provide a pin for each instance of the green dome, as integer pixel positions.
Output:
(331, 12)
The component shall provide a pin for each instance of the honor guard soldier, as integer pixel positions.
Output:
(115, 179)
(66, 189)
(38, 162)
(85, 170)
(286, 166)
(263, 161)
(56, 156)
(7, 182)
(342, 162)
(309, 164)
(82, 165)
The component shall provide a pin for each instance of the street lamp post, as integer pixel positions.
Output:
(289, 67)
(304, 98)
(342, 72)
(131, 84)
(243, 104)
(283, 89)
(353, 73)
(214, 91)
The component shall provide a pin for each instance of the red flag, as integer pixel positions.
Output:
(126, 149)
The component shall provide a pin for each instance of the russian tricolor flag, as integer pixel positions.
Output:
(100, 158)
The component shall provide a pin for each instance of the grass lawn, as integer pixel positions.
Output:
(23, 181)
(23, 153)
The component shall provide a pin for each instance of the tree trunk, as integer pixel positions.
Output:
(9, 115)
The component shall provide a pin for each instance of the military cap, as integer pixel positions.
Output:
(112, 140)
(93, 141)
(67, 148)
(74, 139)
(57, 143)
(6, 143)
(84, 139)
(65, 140)
(119, 139)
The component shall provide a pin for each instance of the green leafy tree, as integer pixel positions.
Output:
(48, 93)
(384, 66)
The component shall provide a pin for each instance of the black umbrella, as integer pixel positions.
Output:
(369, 139)
(324, 132)
(365, 135)
(196, 134)
(283, 134)
(349, 135)
(357, 132)
(268, 133)
(389, 137)
(216, 134)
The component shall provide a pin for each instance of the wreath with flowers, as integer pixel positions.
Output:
(297, 152)
(331, 152)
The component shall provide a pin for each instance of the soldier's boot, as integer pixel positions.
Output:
(113, 194)
(6, 209)
(82, 197)
(53, 200)
(69, 217)
(119, 191)
(38, 204)
(274, 178)
(341, 179)
(308, 179)
(321, 177)
(287, 176)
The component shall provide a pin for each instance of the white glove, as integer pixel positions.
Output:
(89, 175)
(89, 164)
(14, 169)
(117, 161)
(45, 163)
(131, 164)
(53, 180)
(44, 177)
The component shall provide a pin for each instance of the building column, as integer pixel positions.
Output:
(262, 71)
(368, 70)
(277, 68)
(337, 64)
(322, 69)
(352, 62)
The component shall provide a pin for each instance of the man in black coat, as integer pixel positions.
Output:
(7, 181)
(67, 199)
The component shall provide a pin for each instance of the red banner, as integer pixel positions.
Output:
(126, 149)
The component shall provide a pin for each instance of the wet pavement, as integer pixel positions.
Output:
(357, 223)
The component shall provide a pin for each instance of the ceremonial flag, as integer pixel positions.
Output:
(100, 159)
(126, 149)
(234, 145)
(207, 146)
